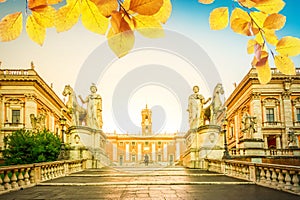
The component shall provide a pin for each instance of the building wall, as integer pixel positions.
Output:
(274, 105)
(26, 101)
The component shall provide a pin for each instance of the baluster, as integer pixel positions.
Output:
(262, 175)
(274, 178)
(268, 176)
(295, 180)
(51, 174)
(6, 180)
(287, 179)
(1, 181)
(280, 184)
(46, 175)
(14, 179)
(247, 173)
(21, 178)
(32, 178)
(26, 176)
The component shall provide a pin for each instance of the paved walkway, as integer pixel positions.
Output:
(148, 183)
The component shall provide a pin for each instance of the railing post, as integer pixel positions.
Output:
(36, 174)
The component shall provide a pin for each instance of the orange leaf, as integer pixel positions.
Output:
(11, 26)
(285, 65)
(106, 7)
(218, 18)
(206, 1)
(2, 1)
(118, 23)
(275, 21)
(35, 31)
(32, 4)
(289, 46)
(146, 7)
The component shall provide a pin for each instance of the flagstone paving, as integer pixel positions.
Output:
(148, 183)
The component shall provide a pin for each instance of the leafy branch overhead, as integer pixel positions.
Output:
(118, 19)
(259, 19)
(114, 18)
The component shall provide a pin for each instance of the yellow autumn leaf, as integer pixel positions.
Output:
(106, 7)
(51, 2)
(35, 31)
(269, 6)
(264, 73)
(92, 19)
(271, 37)
(2, 1)
(148, 26)
(289, 46)
(121, 43)
(206, 1)
(275, 21)
(285, 65)
(250, 46)
(259, 39)
(247, 3)
(11, 26)
(239, 13)
(165, 11)
(218, 18)
(146, 7)
(67, 16)
(259, 18)
(45, 16)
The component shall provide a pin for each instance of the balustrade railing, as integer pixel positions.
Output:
(281, 177)
(20, 176)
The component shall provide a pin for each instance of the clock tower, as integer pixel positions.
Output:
(146, 121)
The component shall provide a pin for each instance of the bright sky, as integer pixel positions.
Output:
(158, 72)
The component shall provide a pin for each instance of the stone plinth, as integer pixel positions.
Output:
(204, 142)
(252, 147)
(87, 143)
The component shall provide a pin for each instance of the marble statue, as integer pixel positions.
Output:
(195, 108)
(248, 125)
(94, 108)
(77, 112)
(38, 122)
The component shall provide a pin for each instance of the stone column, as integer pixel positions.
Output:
(256, 111)
(265, 142)
(288, 117)
(278, 142)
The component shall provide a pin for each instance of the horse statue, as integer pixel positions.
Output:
(77, 112)
(216, 107)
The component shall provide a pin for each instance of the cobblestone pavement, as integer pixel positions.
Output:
(148, 183)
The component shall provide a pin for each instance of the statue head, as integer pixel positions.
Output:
(93, 88)
(196, 89)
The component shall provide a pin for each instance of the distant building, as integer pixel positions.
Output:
(275, 107)
(26, 101)
(131, 149)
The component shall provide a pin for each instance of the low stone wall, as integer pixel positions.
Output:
(17, 177)
(280, 177)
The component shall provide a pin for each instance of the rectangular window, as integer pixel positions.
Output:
(298, 114)
(270, 115)
(15, 116)
(121, 143)
(133, 143)
(133, 158)
(159, 143)
(146, 143)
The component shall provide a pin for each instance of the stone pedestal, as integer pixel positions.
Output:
(87, 143)
(252, 147)
(204, 142)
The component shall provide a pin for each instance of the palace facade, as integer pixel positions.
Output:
(275, 108)
(27, 101)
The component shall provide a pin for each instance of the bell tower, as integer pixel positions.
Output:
(146, 121)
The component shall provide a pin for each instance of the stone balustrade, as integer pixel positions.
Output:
(268, 152)
(21, 176)
(281, 177)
